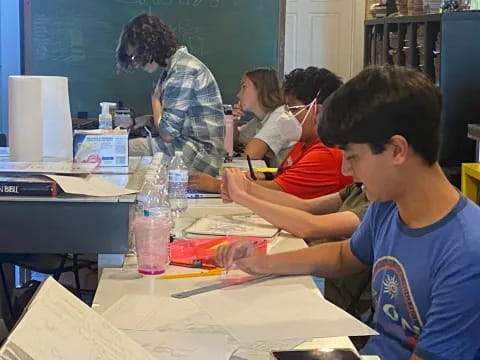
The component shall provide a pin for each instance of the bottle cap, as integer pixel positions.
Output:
(227, 109)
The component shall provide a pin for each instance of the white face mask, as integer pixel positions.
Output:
(292, 130)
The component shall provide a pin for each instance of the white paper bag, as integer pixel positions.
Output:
(40, 125)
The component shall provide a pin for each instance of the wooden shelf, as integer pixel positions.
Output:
(404, 19)
(444, 47)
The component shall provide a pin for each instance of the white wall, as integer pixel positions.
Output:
(9, 53)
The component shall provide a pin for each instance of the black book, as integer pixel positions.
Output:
(28, 186)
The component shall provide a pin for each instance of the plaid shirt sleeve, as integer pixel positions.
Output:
(177, 98)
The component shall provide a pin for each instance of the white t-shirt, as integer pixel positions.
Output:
(269, 131)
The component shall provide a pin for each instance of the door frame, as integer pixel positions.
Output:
(282, 13)
(357, 35)
(356, 65)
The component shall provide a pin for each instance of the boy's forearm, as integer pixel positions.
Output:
(325, 260)
(291, 220)
(300, 223)
(278, 197)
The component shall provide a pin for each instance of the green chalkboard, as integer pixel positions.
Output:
(77, 39)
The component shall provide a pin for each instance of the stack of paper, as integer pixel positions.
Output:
(57, 325)
(259, 317)
(91, 185)
(171, 329)
(83, 183)
(242, 225)
(256, 318)
(38, 168)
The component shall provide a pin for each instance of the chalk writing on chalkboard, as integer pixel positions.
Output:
(191, 35)
(74, 42)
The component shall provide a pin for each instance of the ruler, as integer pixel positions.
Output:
(221, 285)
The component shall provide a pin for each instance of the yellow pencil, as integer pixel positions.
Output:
(196, 274)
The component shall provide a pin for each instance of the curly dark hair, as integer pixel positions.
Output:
(151, 40)
(304, 84)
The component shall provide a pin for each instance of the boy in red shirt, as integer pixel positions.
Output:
(310, 169)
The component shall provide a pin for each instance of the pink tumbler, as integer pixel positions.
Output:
(152, 237)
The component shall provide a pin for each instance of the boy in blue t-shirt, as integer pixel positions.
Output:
(420, 235)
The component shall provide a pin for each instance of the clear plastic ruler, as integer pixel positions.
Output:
(221, 285)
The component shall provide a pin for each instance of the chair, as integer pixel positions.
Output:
(52, 264)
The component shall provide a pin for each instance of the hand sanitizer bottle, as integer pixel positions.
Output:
(105, 119)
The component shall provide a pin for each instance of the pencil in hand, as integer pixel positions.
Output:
(252, 173)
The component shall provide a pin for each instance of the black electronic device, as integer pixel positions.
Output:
(315, 354)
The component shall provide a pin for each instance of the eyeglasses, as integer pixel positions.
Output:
(136, 60)
(139, 61)
(299, 109)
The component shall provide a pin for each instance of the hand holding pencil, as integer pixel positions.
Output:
(235, 185)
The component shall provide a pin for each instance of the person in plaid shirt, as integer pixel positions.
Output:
(187, 105)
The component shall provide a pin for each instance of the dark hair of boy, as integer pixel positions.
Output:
(304, 84)
(381, 102)
(150, 40)
(269, 87)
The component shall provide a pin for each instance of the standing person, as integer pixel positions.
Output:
(187, 105)
(420, 235)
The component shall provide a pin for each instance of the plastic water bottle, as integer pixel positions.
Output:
(177, 184)
(155, 203)
(152, 202)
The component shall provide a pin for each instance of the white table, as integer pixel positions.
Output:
(113, 285)
(73, 224)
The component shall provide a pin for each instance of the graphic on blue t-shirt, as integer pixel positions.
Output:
(396, 301)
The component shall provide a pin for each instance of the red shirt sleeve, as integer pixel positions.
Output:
(317, 172)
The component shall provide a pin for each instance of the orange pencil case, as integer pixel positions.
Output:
(201, 252)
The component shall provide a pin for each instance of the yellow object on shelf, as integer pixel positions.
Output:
(196, 274)
(471, 181)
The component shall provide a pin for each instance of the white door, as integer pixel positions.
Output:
(324, 33)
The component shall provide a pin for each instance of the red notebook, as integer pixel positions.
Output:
(202, 252)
